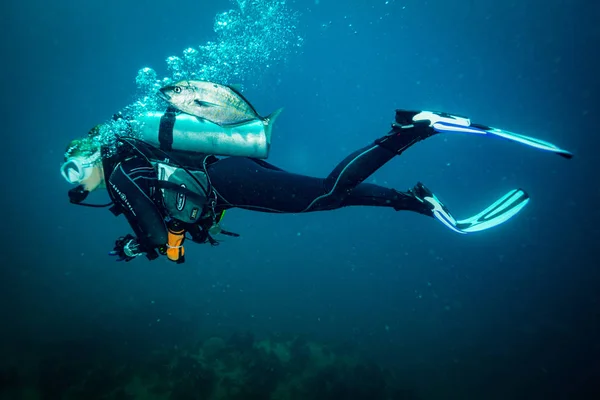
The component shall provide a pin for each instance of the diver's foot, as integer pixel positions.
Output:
(500, 211)
(405, 132)
(410, 122)
(433, 205)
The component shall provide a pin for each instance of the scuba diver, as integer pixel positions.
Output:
(175, 173)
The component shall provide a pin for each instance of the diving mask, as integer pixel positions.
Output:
(77, 169)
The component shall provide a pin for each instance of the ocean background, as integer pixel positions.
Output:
(510, 313)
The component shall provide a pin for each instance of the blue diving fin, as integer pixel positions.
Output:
(447, 123)
(497, 213)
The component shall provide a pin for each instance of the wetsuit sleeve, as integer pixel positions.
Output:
(132, 186)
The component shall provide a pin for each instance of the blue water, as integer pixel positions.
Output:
(510, 313)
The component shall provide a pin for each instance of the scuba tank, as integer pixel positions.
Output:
(171, 130)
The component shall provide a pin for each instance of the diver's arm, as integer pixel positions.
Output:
(131, 184)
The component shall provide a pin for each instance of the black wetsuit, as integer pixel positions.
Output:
(252, 184)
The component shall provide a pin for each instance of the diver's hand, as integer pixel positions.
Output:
(126, 249)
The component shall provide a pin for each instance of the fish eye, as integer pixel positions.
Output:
(177, 89)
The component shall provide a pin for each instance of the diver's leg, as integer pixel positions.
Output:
(254, 184)
(361, 164)
(244, 183)
(367, 194)
(257, 185)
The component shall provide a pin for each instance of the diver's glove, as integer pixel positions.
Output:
(126, 248)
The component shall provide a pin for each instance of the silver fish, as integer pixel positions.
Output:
(219, 104)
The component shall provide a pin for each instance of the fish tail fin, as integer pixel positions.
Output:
(269, 121)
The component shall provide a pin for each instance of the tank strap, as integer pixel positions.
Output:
(165, 130)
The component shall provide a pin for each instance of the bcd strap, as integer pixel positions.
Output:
(165, 131)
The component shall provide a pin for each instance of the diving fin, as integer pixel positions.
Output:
(500, 211)
(447, 123)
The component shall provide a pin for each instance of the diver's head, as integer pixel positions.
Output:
(83, 164)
